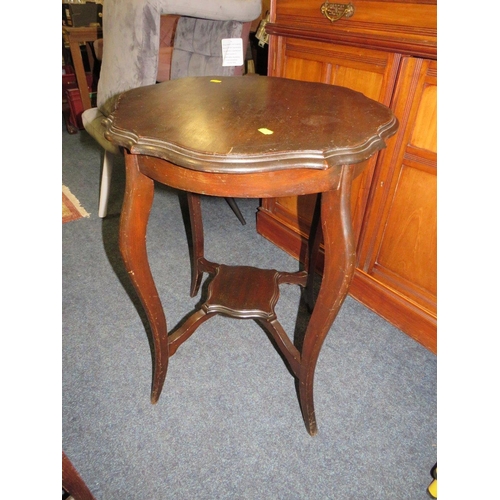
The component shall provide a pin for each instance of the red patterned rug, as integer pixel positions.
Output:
(71, 208)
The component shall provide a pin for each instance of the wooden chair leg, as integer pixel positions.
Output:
(107, 170)
(236, 210)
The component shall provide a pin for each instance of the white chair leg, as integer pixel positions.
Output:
(107, 170)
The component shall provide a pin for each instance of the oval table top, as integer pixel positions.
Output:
(250, 124)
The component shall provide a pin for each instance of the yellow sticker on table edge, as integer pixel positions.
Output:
(265, 131)
(216, 81)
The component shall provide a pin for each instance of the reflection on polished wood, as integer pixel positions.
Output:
(205, 137)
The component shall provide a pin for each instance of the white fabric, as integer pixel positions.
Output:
(89, 115)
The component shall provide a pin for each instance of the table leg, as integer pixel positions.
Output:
(139, 193)
(339, 265)
(312, 255)
(195, 218)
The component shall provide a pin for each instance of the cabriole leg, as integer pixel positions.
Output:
(338, 271)
(139, 193)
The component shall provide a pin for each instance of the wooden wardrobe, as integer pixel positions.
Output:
(388, 51)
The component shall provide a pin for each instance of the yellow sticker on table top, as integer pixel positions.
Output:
(265, 131)
(216, 81)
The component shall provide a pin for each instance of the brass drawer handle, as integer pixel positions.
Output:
(336, 11)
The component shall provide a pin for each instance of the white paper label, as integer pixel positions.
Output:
(232, 52)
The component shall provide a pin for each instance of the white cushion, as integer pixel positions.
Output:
(92, 121)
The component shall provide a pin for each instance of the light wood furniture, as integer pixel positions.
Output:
(75, 37)
(387, 50)
(295, 138)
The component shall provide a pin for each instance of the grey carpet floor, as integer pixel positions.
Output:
(228, 423)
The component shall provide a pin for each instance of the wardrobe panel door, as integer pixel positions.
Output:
(399, 241)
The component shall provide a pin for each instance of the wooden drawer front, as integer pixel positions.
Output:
(408, 26)
(399, 247)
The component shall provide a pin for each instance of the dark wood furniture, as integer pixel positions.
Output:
(72, 482)
(387, 50)
(265, 137)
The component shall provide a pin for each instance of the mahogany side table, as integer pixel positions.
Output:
(255, 137)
